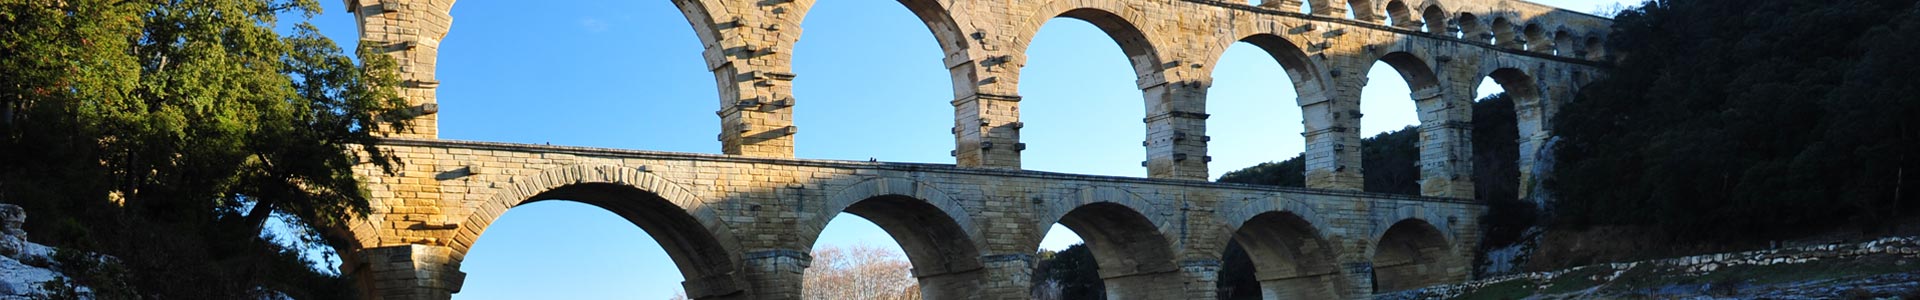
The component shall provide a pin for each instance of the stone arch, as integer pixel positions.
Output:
(1364, 11)
(1413, 253)
(1503, 34)
(1420, 78)
(1125, 233)
(1308, 80)
(1436, 20)
(1525, 91)
(1140, 48)
(1470, 27)
(1594, 48)
(1537, 40)
(1401, 16)
(1321, 8)
(940, 21)
(936, 232)
(1563, 43)
(700, 244)
(1290, 256)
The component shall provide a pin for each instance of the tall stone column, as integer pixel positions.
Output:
(1446, 143)
(1176, 128)
(987, 131)
(406, 272)
(1332, 121)
(986, 108)
(752, 66)
(410, 32)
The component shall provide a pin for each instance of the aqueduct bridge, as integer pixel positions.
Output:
(740, 225)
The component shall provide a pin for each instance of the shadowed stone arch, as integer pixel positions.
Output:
(1526, 92)
(1413, 253)
(1125, 234)
(1401, 15)
(700, 244)
(1435, 17)
(1537, 40)
(1420, 79)
(1503, 34)
(1384, 220)
(1364, 11)
(937, 233)
(1292, 259)
(1141, 49)
(1471, 28)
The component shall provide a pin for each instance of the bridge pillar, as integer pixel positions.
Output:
(1332, 122)
(405, 272)
(1007, 276)
(410, 32)
(756, 90)
(1446, 143)
(986, 131)
(1202, 278)
(775, 273)
(1176, 128)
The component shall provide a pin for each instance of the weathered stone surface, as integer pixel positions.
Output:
(740, 225)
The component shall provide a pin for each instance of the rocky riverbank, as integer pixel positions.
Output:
(1878, 269)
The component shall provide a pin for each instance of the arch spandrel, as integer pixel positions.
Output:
(702, 246)
(876, 187)
(1052, 210)
(1440, 221)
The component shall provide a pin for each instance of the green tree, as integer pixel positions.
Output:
(1747, 120)
(1076, 271)
(166, 133)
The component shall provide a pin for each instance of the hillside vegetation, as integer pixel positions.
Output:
(1742, 120)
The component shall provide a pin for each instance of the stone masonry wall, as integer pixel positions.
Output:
(753, 219)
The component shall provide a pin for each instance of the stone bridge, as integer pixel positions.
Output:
(740, 225)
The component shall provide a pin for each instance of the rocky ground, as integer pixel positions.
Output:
(24, 265)
(1887, 268)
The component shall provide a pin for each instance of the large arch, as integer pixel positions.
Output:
(1136, 259)
(1135, 43)
(945, 27)
(1301, 69)
(700, 245)
(1411, 254)
(937, 234)
(1290, 256)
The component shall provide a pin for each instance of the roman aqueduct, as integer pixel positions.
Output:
(740, 225)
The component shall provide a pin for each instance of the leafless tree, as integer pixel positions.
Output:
(860, 272)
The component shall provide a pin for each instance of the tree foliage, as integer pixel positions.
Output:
(1073, 271)
(166, 133)
(1744, 119)
(1391, 160)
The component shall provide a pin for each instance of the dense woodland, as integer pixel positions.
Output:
(1744, 120)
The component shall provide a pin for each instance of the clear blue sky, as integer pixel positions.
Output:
(629, 74)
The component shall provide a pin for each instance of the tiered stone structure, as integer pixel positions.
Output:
(740, 225)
